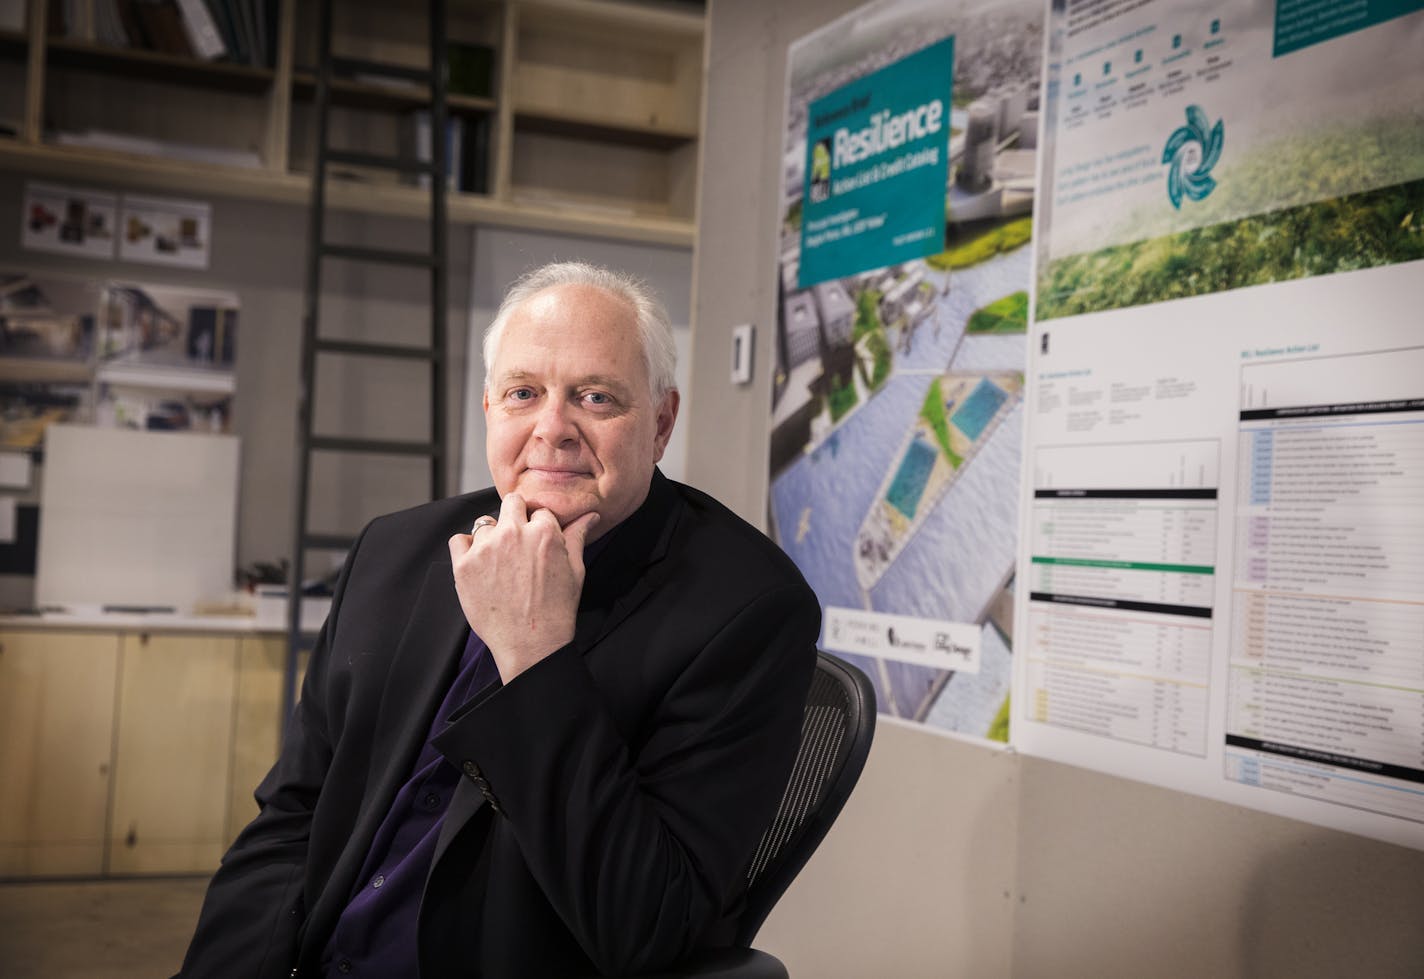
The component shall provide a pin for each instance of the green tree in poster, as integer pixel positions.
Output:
(820, 162)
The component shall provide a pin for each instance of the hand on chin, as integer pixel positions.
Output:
(565, 503)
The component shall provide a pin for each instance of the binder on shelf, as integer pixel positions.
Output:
(249, 21)
(132, 27)
(110, 27)
(56, 21)
(474, 172)
(202, 31)
(454, 147)
(467, 145)
(217, 13)
(79, 20)
(163, 27)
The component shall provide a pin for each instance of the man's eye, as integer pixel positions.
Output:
(598, 398)
(521, 394)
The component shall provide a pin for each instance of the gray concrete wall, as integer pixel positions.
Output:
(958, 860)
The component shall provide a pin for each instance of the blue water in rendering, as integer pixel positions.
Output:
(939, 336)
(965, 548)
(986, 399)
(839, 487)
(909, 483)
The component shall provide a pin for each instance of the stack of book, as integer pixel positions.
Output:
(466, 150)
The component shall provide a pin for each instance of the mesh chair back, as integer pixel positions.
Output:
(835, 738)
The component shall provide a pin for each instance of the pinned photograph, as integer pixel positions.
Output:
(162, 231)
(68, 220)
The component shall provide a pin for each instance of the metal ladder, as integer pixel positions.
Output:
(314, 344)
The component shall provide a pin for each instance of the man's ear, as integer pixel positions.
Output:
(485, 401)
(667, 415)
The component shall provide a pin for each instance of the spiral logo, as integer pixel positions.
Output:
(1191, 151)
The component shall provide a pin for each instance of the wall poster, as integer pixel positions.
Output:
(1222, 553)
(904, 272)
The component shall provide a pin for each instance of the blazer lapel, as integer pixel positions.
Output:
(624, 574)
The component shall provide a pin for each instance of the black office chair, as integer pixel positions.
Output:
(835, 740)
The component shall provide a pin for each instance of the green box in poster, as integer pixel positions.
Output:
(877, 161)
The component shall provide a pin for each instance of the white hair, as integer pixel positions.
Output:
(654, 329)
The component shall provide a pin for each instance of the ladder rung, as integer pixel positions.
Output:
(328, 542)
(403, 164)
(389, 256)
(363, 66)
(375, 349)
(374, 446)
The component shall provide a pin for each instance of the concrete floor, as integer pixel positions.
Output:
(112, 929)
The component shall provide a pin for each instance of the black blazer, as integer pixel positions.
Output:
(613, 792)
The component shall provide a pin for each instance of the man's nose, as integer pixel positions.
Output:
(555, 424)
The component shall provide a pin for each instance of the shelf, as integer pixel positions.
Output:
(47, 370)
(554, 122)
(355, 93)
(152, 173)
(193, 380)
(156, 65)
(173, 176)
(661, 23)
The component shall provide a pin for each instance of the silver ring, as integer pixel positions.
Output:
(483, 521)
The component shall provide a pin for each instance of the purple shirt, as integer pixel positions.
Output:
(376, 934)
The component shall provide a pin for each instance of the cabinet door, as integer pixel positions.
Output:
(256, 733)
(172, 753)
(56, 730)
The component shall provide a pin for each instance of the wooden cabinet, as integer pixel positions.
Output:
(261, 662)
(131, 753)
(590, 125)
(602, 108)
(56, 744)
(172, 753)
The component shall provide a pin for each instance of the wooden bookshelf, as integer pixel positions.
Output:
(157, 66)
(593, 113)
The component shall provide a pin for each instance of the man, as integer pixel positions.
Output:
(545, 724)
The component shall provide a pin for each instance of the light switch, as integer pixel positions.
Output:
(743, 337)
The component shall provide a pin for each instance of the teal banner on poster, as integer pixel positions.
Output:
(877, 162)
(1302, 23)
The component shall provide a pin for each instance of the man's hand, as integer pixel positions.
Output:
(519, 582)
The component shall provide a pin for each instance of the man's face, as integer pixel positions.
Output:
(570, 420)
